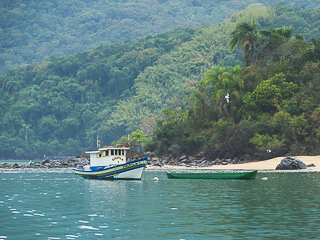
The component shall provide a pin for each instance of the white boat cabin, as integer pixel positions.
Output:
(107, 156)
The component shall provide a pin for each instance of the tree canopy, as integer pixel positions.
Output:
(33, 31)
(59, 106)
(277, 108)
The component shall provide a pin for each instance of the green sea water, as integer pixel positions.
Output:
(56, 204)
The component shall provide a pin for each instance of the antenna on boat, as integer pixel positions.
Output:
(98, 142)
(130, 153)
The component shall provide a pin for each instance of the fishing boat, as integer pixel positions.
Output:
(110, 163)
(212, 175)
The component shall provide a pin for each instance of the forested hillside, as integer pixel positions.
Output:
(59, 106)
(33, 31)
(267, 108)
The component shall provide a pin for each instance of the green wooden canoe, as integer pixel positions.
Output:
(213, 175)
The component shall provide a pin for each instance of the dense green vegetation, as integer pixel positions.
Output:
(59, 106)
(55, 107)
(33, 31)
(272, 103)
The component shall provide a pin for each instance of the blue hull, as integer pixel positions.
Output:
(129, 171)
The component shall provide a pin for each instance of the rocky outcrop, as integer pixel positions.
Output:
(205, 158)
(290, 163)
(48, 163)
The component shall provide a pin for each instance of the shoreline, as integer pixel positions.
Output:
(270, 164)
(264, 165)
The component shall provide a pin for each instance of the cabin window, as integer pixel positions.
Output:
(104, 153)
(122, 152)
(98, 155)
(112, 152)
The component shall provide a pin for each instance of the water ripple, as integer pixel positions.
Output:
(59, 205)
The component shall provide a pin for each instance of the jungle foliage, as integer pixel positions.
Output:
(272, 103)
(59, 106)
(33, 31)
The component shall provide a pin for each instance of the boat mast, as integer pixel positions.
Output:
(130, 153)
(98, 142)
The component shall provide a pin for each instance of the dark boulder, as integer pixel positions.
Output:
(16, 165)
(235, 160)
(290, 163)
(46, 161)
(199, 156)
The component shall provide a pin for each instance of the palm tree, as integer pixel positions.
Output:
(234, 84)
(244, 35)
(199, 99)
(214, 78)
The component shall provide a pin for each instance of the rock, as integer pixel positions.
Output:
(15, 165)
(171, 163)
(56, 164)
(235, 160)
(182, 157)
(82, 161)
(157, 164)
(290, 163)
(199, 156)
(150, 154)
(245, 157)
(203, 163)
(165, 161)
(6, 165)
(311, 165)
(35, 164)
(185, 161)
(44, 162)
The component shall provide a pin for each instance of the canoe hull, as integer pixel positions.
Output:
(129, 171)
(213, 175)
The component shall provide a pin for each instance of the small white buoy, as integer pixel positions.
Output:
(156, 179)
(264, 178)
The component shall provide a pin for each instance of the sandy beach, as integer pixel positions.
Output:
(270, 164)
